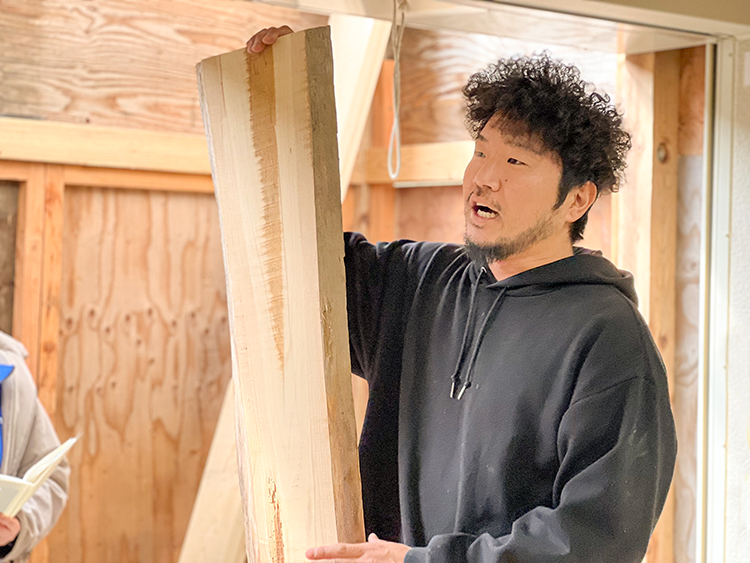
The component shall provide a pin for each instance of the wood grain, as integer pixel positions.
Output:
(631, 206)
(382, 195)
(281, 223)
(49, 322)
(121, 63)
(692, 100)
(431, 213)
(359, 46)
(436, 65)
(139, 180)
(144, 363)
(91, 145)
(440, 163)
(27, 288)
(663, 254)
(8, 225)
(216, 531)
(690, 184)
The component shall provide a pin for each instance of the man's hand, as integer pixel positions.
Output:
(266, 37)
(9, 528)
(374, 551)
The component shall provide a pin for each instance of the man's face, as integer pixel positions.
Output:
(510, 188)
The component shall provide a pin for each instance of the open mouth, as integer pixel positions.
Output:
(484, 212)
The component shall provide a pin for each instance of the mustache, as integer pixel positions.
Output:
(482, 193)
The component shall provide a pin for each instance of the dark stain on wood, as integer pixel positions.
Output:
(277, 533)
(262, 97)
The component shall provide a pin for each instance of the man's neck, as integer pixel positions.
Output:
(544, 252)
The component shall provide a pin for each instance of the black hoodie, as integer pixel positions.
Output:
(561, 446)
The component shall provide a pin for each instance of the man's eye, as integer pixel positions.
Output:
(479, 154)
(514, 161)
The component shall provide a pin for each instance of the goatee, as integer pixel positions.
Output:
(505, 247)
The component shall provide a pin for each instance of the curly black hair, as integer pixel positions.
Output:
(548, 101)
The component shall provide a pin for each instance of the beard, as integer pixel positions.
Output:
(505, 247)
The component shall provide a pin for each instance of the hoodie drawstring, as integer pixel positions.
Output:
(475, 351)
(456, 377)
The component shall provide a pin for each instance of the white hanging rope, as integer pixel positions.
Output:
(397, 33)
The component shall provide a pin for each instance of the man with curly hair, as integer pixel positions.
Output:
(518, 408)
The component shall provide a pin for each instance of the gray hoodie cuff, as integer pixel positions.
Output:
(21, 547)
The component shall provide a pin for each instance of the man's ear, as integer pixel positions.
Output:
(579, 200)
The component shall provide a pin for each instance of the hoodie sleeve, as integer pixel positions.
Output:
(617, 447)
(40, 513)
(380, 282)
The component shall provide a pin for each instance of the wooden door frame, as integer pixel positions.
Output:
(38, 261)
(713, 404)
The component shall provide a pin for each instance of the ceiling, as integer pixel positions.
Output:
(518, 22)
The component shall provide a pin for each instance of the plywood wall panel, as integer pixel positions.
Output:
(8, 225)
(126, 63)
(144, 362)
(436, 64)
(434, 214)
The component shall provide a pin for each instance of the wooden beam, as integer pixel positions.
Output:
(685, 405)
(518, 21)
(663, 254)
(53, 142)
(359, 46)
(632, 205)
(426, 163)
(27, 285)
(645, 235)
(281, 224)
(382, 195)
(8, 230)
(138, 180)
(215, 533)
(15, 171)
(49, 323)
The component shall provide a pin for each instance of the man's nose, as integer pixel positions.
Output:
(488, 177)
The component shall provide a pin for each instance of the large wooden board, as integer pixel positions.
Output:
(270, 122)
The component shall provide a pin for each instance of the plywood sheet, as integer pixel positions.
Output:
(122, 63)
(144, 361)
(436, 64)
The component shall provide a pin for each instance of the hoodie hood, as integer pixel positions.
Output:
(584, 267)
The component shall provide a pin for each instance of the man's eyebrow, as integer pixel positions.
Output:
(528, 144)
(481, 138)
